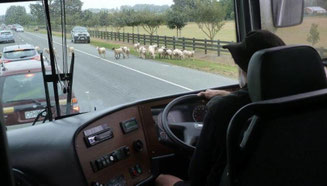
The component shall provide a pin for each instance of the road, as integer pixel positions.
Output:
(104, 82)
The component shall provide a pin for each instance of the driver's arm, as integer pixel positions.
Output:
(209, 93)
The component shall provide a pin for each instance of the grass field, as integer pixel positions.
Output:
(227, 33)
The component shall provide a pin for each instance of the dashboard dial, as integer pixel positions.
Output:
(199, 112)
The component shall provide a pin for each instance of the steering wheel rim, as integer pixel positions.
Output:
(196, 125)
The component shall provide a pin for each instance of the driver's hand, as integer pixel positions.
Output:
(166, 180)
(209, 93)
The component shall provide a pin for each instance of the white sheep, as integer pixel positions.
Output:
(152, 51)
(188, 54)
(169, 53)
(137, 46)
(118, 52)
(46, 50)
(101, 51)
(126, 50)
(37, 48)
(142, 52)
(71, 50)
(177, 53)
(162, 51)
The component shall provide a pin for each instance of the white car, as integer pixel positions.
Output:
(20, 29)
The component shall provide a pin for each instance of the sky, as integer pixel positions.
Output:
(96, 4)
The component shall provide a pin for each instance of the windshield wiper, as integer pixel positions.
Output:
(24, 56)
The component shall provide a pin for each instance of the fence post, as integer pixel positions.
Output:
(101, 35)
(165, 41)
(138, 38)
(158, 40)
(123, 36)
(150, 39)
(133, 38)
(119, 36)
(183, 43)
(205, 46)
(115, 36)
(218, 47)
(174, 42)
(193, 44)
(127, 37)
(144, 41)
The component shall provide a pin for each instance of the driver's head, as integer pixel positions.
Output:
(253, 42)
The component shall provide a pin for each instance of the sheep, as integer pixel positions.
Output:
(118, 51)
(37, 48)
(169, 53)
(46, 50)
(188, 54)
(126, 51)
(101, 51)
(142, 52)
(162, 51)
(152, 50)
(178, 54)
(71, 50)
(137, 46)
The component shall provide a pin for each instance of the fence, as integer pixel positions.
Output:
(183, 43)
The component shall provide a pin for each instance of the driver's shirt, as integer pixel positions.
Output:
(209, 159)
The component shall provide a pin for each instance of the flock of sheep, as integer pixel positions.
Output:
(162, 52)
(148, 52)
(143, 51)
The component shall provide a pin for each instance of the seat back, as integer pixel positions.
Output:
(286, 143)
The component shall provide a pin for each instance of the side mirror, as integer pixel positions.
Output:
(287, 13)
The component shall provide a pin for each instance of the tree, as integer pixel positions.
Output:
(131, 18)
(176, 20)
(16, 15)
(313, 36)
(117, 21)
(151, 21)
(185, 6)
(37, 13)
(209, 16)
(229, 7)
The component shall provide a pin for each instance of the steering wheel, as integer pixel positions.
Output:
(191, 130)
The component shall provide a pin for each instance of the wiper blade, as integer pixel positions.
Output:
(24, 56)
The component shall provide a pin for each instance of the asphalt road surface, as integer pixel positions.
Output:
(105, 82)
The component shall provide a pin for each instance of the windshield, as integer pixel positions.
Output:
(19, 54)
(133, 51)
(80, 29)
(23, 87)
(5, 33)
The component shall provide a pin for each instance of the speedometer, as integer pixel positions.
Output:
(199, 112)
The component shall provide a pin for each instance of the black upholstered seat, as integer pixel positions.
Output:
(286, 142)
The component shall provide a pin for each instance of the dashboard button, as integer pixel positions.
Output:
(138, 145)
(138, 169)
(127, 151)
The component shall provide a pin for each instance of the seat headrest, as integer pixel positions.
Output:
(284, 71)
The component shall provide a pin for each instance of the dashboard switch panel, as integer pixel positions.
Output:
(109, 159)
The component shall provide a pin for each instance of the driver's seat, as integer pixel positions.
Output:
(286, 143)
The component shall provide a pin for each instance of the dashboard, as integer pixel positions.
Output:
(110, 147)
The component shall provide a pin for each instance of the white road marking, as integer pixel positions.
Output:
(123, 66)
